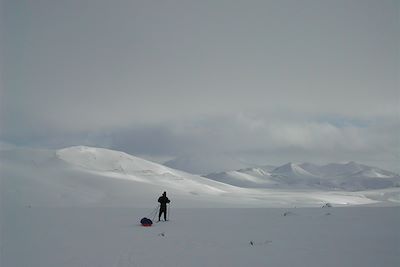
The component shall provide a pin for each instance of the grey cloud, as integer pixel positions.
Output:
(169, 78)
(252, 139)
(95, 64)
(267, 140)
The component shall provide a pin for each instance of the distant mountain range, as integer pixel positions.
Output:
(349, 176)
(96, 177)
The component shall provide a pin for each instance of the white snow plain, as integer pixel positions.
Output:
(106, 237)
(81, 206)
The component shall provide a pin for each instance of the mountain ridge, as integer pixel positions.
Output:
(349, 176)
(96, 177)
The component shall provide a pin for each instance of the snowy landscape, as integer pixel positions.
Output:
(348, 176)
(81, 206)
(267, 132)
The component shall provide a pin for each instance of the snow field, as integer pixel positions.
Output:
(104, 237)
(82, 206)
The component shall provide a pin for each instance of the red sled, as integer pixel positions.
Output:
(146, 222)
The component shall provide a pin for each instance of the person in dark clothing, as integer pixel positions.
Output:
(163, 200)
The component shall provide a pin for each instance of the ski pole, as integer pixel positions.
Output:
(155, 212)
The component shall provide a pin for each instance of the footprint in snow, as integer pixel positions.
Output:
(288, 213)
(161, 234)
(264, 243)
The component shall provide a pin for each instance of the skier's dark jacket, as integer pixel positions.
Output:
(163, 201)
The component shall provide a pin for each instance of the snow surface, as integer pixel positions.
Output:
(106, 237)
(81, 206)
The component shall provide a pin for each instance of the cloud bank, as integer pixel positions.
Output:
(268, 81)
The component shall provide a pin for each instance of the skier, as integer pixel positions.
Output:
(163, 200)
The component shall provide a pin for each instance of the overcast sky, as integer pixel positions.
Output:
(264, 81)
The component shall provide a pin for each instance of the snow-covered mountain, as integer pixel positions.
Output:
(292, 170)
(101, 177)
(123, 188)
(349, 176)
(206, 163)
(88, 176)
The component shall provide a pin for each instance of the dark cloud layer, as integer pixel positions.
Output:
(243, 139)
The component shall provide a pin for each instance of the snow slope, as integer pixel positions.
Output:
(292, 170)
(96, 177)
(81, 206)
(88, 176)
(124, 166)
